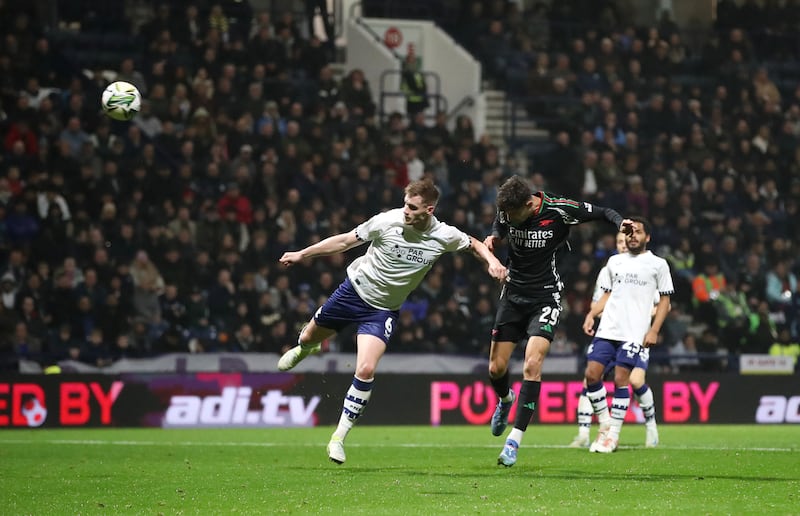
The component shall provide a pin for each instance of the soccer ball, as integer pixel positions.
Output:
(34, 412)
(121, 100)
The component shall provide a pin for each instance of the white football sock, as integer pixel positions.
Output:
(355, 401)
(619, 408)
(599, 405)
(585, 412)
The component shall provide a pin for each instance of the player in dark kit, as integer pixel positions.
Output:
(535, 225)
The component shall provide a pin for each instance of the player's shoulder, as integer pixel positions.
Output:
(554, 200)
(389, 218)
(440, 228)
(616, 259)
(379, 224)
(651, 256)
(396, 213)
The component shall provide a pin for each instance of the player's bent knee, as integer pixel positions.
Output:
(533, 369)
(307, 333)
(590, 379)
(592, 375)
(497, 369)
(365, 373)
(534, 363)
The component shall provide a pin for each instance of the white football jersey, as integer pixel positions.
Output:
(598, 291)
(398, 257)
(634, 281)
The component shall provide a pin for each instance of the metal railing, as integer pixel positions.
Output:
(436, 99)
(377, 38)
(466, 102)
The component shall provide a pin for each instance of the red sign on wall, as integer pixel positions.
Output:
(288, 399)
(69, 403)
(393, 38)
(558, 402)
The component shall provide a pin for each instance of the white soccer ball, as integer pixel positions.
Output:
(121, 100)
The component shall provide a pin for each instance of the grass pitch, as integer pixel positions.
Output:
(397, 470)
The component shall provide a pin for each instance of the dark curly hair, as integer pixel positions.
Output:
(513, 194)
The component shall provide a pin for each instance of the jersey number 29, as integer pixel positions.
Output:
(549, 315)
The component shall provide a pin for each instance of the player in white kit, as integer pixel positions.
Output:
(641, 391)
(404, 244)
(626, 329)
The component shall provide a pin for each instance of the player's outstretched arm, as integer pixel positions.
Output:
(490, 242)
(332, 245)
(496, 269)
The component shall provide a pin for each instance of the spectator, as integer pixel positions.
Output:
(782, 294)
(148, 285)
(786, 346)
(713, 357)
(20, 226)
(684, 354)
(49, 195)
(763, 330)
(494, 47)
(764, 89)
(96, 352)
(239, 203)
(26, 345)
(8, 291)
(733, 314)
(414, 85)
(356, 94)
(74, 136)
(706, 288)
(221, 300)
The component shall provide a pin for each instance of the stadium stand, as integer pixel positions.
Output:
(163, 234)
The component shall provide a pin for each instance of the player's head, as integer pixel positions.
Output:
(638, 238)
(419, 203)
(514, 199)
(622, 245)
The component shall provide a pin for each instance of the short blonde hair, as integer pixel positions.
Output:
(425, 189)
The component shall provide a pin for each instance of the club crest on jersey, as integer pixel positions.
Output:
(546, 222)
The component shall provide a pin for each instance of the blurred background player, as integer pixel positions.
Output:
(535, 225)
(641, 391)
(630, 282)
(404, 244)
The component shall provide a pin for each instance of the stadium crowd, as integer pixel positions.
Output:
(163, 234)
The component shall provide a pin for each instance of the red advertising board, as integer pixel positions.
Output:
(284, 399)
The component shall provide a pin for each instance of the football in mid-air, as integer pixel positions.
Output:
(121, 100)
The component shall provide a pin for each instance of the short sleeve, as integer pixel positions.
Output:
(598, 290)
(371, 228)
(604, 280)
(457, 240)
(665, 286)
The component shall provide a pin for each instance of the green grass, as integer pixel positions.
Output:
(397, 470)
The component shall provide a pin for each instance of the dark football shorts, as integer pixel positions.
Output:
(612, 353)
(519, 318)
(346, 307)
